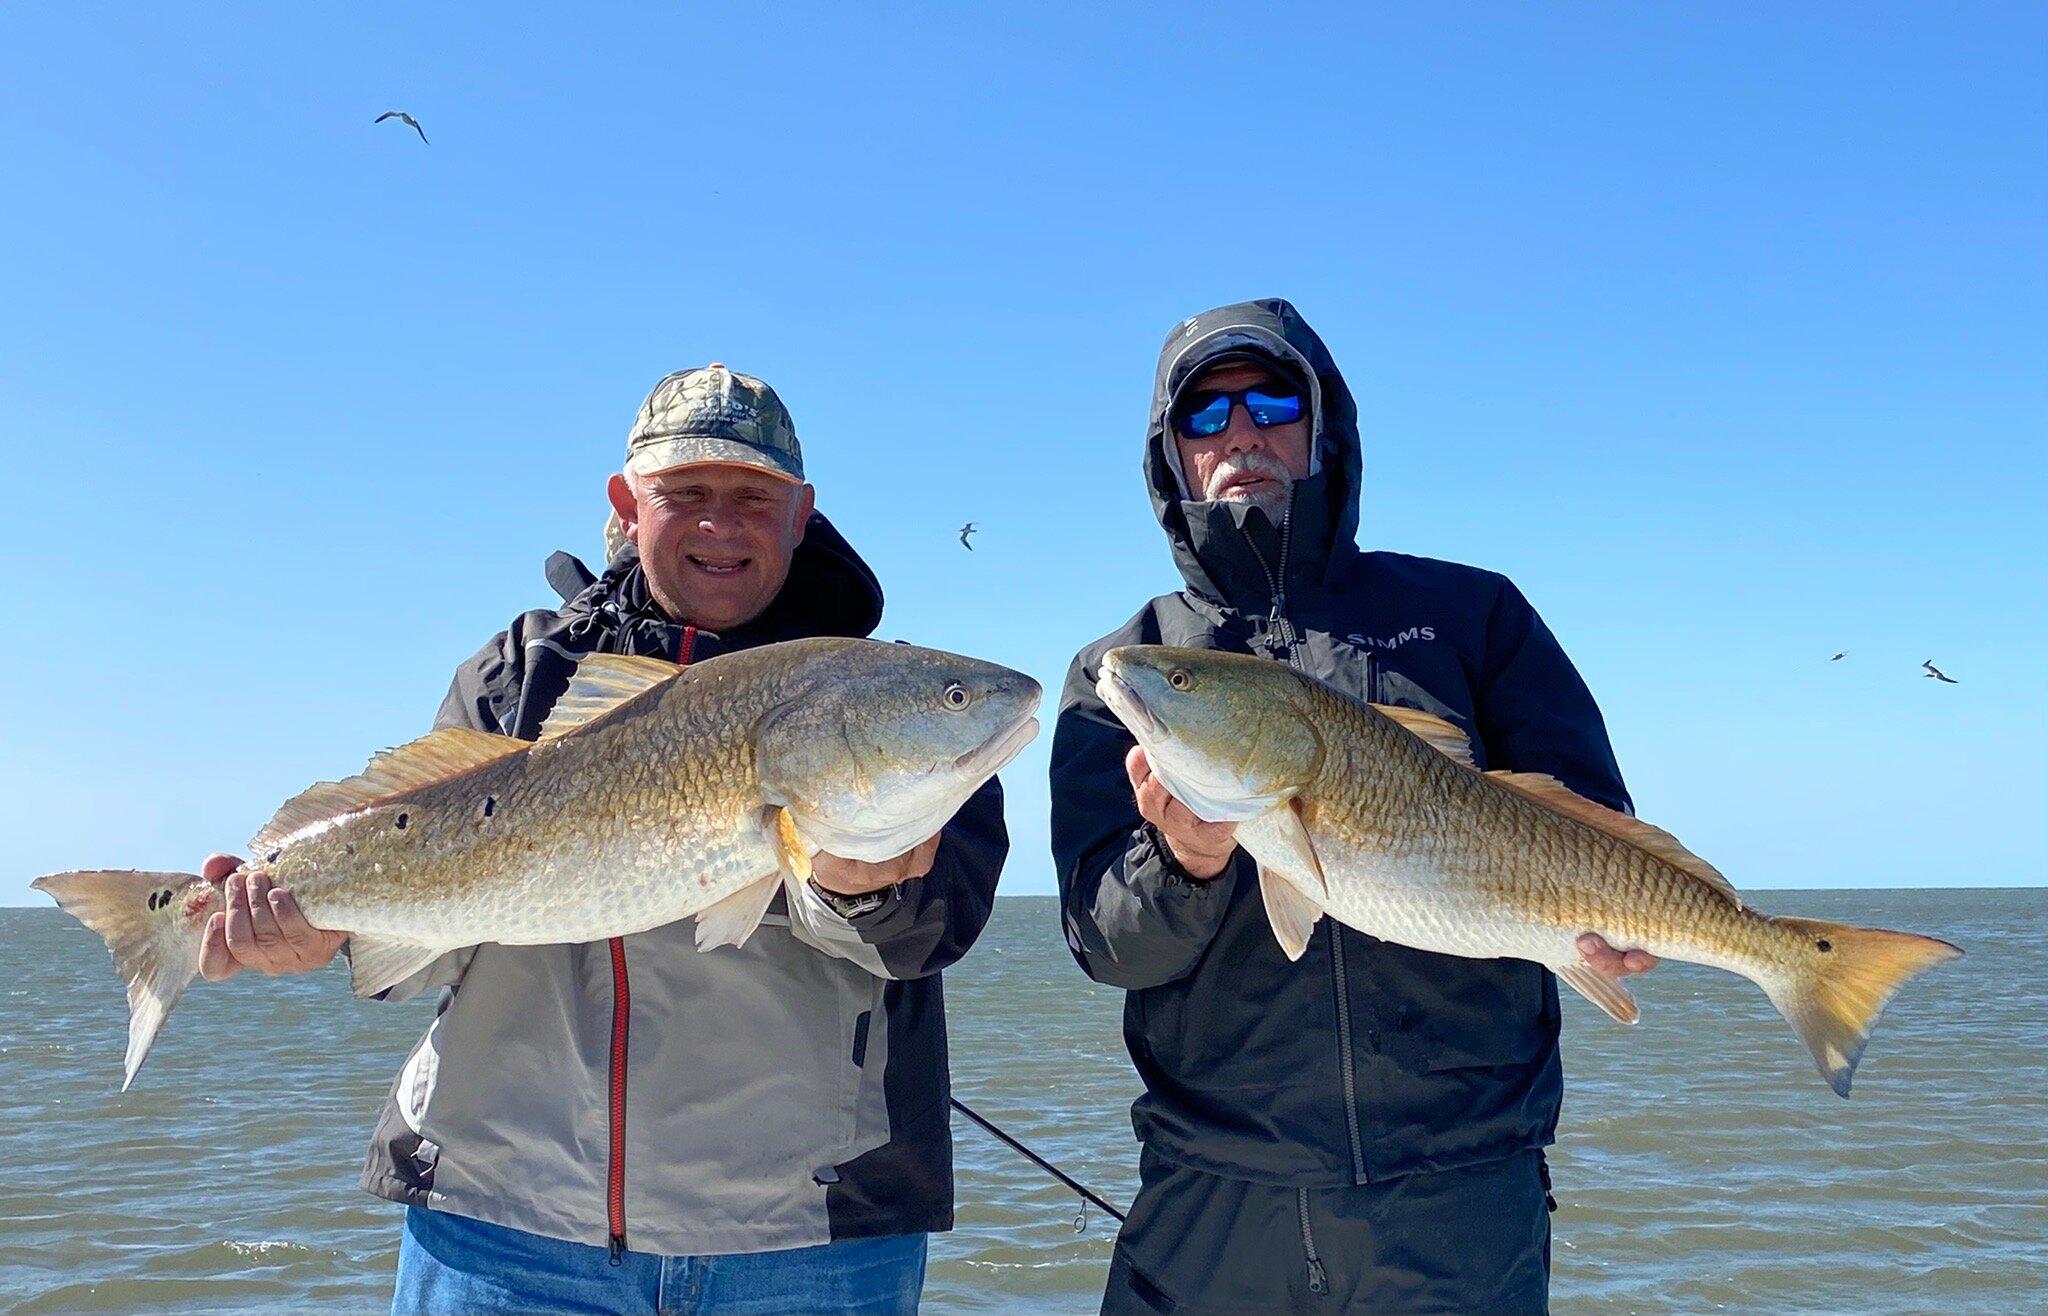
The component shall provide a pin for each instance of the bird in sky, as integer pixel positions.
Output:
(965, 531)
(1839, 657)
(1937, 674)
(406, 119)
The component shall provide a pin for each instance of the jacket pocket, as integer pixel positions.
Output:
(1467, 1014)
(1130, 1290)
(1491, 1051)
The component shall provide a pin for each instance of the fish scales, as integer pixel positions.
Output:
(569, 852)
(1466, 866)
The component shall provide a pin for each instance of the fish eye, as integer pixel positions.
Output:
(956, 696)
(1180, 679)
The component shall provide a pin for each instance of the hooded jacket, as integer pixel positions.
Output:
(1364, 1060)
(639, 1093)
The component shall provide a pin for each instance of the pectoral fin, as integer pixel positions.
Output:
(1278, 841)
(1609, 995)
(1290, 910)
(377, 964)
(732, 920)
(795, 855)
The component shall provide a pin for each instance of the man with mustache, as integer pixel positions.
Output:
(1361, 1130)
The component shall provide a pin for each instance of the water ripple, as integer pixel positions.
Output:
(1701, 1164)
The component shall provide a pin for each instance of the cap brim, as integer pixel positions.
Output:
(706, 450)
(1246, 356)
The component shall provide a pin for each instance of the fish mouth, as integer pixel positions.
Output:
(1123, 700)
(995, 755)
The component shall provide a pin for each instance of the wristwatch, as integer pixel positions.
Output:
(849, 906)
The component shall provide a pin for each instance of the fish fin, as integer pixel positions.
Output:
(604, 683)
(1554, 795)
(1277, 839)
(732, 920)
(1604, 992)
(796, 856)
(155, 925)
(432, 759)
(1438, 734)
(1833, 1000)
(377, 964)
(1292, 911)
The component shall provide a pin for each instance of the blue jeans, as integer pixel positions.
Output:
(450, 1263)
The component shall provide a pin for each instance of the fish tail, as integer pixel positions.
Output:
(155, 925)
(1842, 979)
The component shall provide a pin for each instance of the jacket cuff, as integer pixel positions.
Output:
(1170, 869)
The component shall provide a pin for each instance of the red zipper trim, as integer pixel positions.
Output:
(615, 1177)
(622, 1013)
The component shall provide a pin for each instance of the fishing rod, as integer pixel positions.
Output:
(1043, 1164)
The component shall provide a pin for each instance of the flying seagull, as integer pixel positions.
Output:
(1839, 657)
(965, 531)
(406, 119)
(1938, 674)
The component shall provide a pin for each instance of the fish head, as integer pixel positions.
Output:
(879, 745)
(1228, 734)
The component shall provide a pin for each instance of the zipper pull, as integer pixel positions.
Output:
(618, 1249)
(1280, 630)
(1318, 1278)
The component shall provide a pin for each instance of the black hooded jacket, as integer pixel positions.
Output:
(1364, 1060)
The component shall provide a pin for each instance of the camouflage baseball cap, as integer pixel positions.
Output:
(714, 415)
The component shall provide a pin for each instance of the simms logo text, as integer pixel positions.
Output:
(1392, 641)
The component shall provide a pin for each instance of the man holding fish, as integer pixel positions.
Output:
(1371, 812)
(701, 1049)
(1362, 1129)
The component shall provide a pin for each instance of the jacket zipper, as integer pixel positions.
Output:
(1342, 983)
(1318, 1278)
(1277, 619)
(622, 1014)
(1282, 625)
(1342, 986)
(615, 1170)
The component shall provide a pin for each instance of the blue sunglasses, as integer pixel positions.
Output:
(1206, 415)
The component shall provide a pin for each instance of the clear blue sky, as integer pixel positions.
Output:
(1720, 329)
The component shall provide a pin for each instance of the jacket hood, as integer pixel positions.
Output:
(830, 591)
(1222, 549)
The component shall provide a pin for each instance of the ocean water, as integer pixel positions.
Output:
(1702, 1165)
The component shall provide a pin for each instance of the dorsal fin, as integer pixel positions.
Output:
(604, 683)
(433, 758)
(1555, 795)
(1441, 735)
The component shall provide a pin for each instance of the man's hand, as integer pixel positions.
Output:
(1610, 963)
(851, 877)
(262, 927)
(1202, 849)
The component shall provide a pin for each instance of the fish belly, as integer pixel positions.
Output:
(588, 885)
(1420, 900)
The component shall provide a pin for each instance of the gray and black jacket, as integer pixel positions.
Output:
(1365, 1060)
(641, 1094)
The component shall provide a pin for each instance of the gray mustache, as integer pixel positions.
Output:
(1249, 463)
